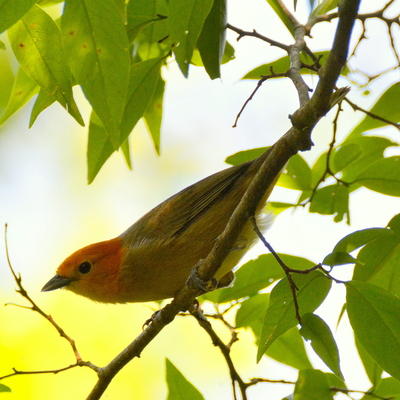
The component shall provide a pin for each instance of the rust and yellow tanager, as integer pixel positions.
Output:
(153, 258)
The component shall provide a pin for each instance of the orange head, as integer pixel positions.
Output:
(92, 271)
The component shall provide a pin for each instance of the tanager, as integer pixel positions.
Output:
(153, 258)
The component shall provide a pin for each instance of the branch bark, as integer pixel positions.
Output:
(297, 138)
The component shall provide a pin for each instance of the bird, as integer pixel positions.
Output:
(153, 258)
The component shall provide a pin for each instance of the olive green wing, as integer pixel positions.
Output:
(175, 214)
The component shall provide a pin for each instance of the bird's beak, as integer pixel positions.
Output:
(56, 282)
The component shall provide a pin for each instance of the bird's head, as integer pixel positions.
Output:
(92, 271)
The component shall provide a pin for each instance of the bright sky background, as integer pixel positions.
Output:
(51, 211)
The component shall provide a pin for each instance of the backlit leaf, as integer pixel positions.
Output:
(185, 21)
(280, 316)
(289, 349)
(382, 176)
(374, 314)
(36, 43)
(96, 42)
(211, 42)
(332, 200)
(22, 91)
(13, 10)
(378, 263)
(256, 275)
(154, 112)
(315, 329)
(142, 86)
(386, 107)
(297, 174)
(280, 12)
(312, 384)
(179, 388)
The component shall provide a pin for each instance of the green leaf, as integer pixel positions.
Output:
(185, 21)
(246, 155)
(7, 80)
(325, 7)
(283, 64)
(338, 258)
(179, 388)
(344, 156)
(277, 207)
(256, 275)
(386, 107)
(297, 174)
(373, 370)
(374, 315)
(251, 313)
(312, 384)
(134, 30)
(211, 42)
(394, 223)
(127, 153)
(378, 263)
(13, 10)
(147, 25)
(280, 316)
(289, 349)
(370, 150)
(332, 200)
(4, 388)
(356, 239)
(22, 91)
(99, 147)
(142, 86)
(96, 42)
(45, 3)
(143, 83)
(322, 341)
(229, 53)
(334, 381)
(43, 101)
(154, 112)
(36, 43)
(276, 6)
(382, 176)
(318, 169)
(388, 388)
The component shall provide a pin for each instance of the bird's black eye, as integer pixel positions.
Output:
(85, 267)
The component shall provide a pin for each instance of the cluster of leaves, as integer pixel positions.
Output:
(372, 304)
(372, 301)
(114, 52)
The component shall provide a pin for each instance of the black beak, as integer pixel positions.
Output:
(56, 282)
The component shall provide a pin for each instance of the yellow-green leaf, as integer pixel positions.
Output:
(36, 43)
(96, 42)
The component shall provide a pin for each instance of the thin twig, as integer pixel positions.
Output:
(269, 165)
(328, 169)
(225, 350)
(34, 307)
(259, 83)
(292, 285)
(50, 371)
(255, 381)
(355, 107)
(255, 34)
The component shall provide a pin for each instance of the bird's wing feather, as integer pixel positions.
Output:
(178, 212)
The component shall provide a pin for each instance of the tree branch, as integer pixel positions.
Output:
(255, 34)
(298, 138)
